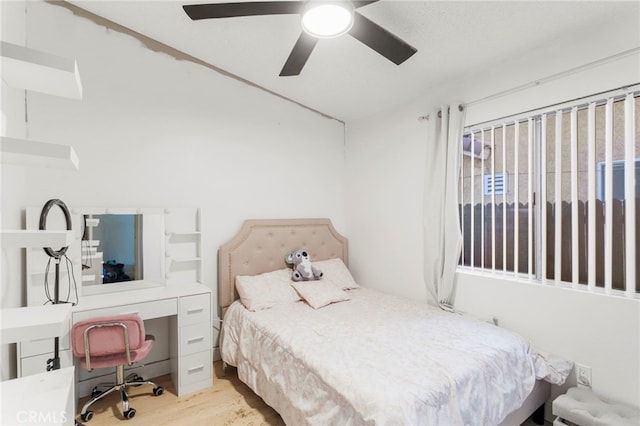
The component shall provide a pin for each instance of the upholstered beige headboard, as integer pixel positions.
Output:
(261, 245)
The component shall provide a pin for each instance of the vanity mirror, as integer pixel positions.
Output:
(121, 250)
(164, 243)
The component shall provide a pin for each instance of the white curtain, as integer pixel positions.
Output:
(442, 236)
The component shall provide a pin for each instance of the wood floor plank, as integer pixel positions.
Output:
(228, 402)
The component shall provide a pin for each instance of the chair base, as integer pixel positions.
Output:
(120, 385)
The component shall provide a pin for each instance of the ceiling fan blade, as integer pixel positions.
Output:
(299, 55)
(382, 41)
(356, 4)
(230, 10)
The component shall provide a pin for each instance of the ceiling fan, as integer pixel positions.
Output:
(362, 29)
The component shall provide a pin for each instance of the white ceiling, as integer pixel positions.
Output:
(345, 79)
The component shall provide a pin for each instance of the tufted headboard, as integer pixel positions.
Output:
(261, 245)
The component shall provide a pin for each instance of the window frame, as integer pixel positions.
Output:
(537, 179)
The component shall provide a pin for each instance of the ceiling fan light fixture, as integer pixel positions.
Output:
(327, 19)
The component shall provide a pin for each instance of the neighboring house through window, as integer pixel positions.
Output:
(534, 201)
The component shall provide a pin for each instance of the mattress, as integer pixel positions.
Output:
(378, 359)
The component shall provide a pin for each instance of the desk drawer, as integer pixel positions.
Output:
(195, 338)
(147, 310)
(195, 309)
(195, 368)
(38, 364)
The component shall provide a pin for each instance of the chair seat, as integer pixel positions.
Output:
(106, 361)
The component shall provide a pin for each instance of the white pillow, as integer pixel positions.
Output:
(318, 293)
(266, 290)
(335, 272)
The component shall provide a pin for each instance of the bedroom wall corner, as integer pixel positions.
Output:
(385, 158)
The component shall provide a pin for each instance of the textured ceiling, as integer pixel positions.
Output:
(345, 79)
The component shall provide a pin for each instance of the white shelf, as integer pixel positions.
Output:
(179, 233)
(183, 259)
(40, 154)
(97, 255)
(34, 322)
(30, 69)
(88, 278)
(92, 222)
(36, 238)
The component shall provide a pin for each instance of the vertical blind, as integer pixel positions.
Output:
(562, 220)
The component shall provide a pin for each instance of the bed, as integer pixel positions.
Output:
(368, 358)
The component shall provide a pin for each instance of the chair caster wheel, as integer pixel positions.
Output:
(86, 416)
(158, 391)
(130, 413)
(137, 378)
(95, 392)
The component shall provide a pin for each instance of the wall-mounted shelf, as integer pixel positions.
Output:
(35, 238)
(184, 259)
(192, 233)
(183, 245)
(41, 154)
(183, 237)
(43, 72)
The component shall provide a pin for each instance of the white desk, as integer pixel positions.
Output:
(44, 399)
(34, 322)
(47, 398)
(189, 334)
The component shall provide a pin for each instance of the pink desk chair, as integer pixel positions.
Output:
(112, 341)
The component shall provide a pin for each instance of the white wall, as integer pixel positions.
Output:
(385, 158)
(153, 131)
(12, 25)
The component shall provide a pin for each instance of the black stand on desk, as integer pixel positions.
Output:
(54, 363)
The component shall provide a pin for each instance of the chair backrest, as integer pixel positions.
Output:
(107, 335)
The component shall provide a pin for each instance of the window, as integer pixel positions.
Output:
(568, 170)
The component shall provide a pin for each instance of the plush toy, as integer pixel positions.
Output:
(303, 270)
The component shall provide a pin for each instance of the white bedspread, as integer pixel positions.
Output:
(378, 359)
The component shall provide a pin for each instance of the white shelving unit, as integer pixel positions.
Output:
(35, 238)
(24, 152)
(183, 246)
(30, 69)
(50, 392)
(43, 72)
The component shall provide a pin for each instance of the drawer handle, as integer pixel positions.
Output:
(195, 310)
(195, 339)
(194, 369)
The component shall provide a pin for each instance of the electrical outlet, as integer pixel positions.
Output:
(583, 375)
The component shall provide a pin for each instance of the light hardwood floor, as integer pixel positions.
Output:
(228, 402)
